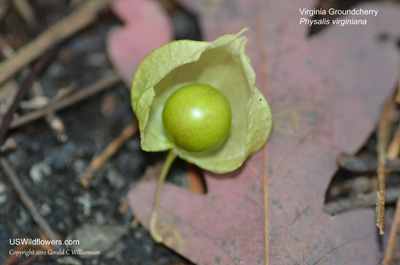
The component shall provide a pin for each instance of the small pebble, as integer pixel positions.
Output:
(96, 59)
(23, 218)
(86, 202)
(148, 248)
(108, 104)
(45, 209)
(115, 250)
(60, 160)
(133, 145)
(39, 170)
(56, 69)
(18, 158)
(138, 235)
(115, 178)
(3, 199)
(100, 218)
(79, 166)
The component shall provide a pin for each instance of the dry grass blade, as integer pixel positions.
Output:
(364, 200)
(25, 10)
(383, 139)
(52, 119)
(392, 154)
(4, 5)
(394, 146)
(26, 85)
(360, 166)
(100, 85)
(110, 150)
(13, 259)
(264, 82)
(9, 144)
(27, 201)
(393, 237)
(195, 180)
(51, 37)
(54, 122)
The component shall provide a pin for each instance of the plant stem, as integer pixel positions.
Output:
(154, 215)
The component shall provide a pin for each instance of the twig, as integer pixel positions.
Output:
(393, 153)
(30, 260)
(14, 258)
(27, 201)
(6, 48)
(57, 127)
(110, 150)
(9, 144)
(46, 246)
(394, 146)
(39, 66)
(195, 179)
(26, 12)
(53, 121)
(383, 139)
(359, 166)
(264, 81)
(100, 85)
(365, 200)
(393, 237)
(4, 5)
(65, 91)
(51, 37)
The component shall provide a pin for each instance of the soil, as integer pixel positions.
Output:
(49, 170)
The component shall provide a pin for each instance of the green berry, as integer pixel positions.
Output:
(197, 117)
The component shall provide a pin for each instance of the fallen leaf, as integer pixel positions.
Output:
(326, 92)
(146, 27)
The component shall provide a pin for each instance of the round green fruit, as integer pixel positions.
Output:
(197, 117)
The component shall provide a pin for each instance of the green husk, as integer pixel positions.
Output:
(222, 64)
